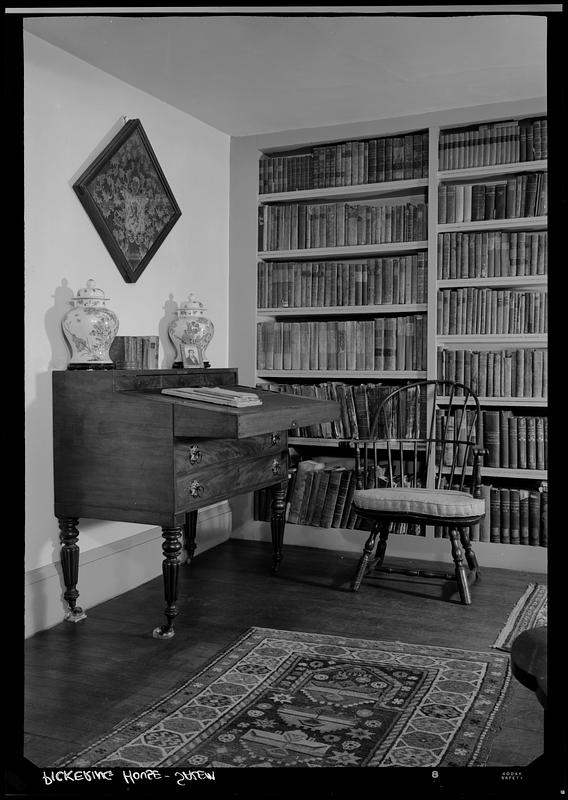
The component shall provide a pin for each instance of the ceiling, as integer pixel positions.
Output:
(264, 73)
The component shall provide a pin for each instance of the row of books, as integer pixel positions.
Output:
(513, 441)
(385, 343)
(319, 284)
(512, 516)
(301, 226)
(489, 254)
(496, 373)
(322, 496)
(358, 404)
(524, 195)
(389, 158)
(135, 352)
(493, 143)
(472, 310)
(319, 494)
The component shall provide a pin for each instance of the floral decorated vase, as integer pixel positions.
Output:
(90, 328)
(190, 326)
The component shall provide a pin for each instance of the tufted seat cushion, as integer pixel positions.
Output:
(429, 502)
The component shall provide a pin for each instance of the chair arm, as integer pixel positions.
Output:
(478, 453)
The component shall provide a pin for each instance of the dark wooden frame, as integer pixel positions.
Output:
(81, 187)
(188, 364)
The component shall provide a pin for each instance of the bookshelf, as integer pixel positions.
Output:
(491, 259)
(354, 263)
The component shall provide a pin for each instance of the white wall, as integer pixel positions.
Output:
(71, 112)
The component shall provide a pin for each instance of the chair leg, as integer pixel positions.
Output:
(364, 560)
(382, 544)
(470, 556)
(461, 576)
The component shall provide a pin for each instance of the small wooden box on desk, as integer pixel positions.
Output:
(124, 451)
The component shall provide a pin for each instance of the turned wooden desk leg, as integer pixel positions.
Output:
(68, 536)
(171, 547)
(189, 534)
(277, 522)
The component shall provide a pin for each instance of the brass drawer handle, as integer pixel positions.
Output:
(276, 467)
(275, 439)
(194, 455)
(196, 489)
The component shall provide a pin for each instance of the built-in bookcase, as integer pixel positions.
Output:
(418, 254)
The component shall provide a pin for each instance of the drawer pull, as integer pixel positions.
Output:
(194, 455)
(196, 489)
(275, 439)
(276, 467)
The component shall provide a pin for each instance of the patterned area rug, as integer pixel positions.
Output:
(288, 699)
(531, 611)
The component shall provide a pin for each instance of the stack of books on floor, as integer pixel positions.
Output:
(320, 494)
(216, 395)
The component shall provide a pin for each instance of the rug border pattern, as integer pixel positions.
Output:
(491, 665)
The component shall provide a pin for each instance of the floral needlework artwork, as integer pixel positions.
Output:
(128, 200)
(289, 699)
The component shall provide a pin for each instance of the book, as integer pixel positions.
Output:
(135, 352)
(534, 518)
(302, 470)
(505, 516)
(524, 516)
(216, 395)
(544, 518)
(515, 516)
(485, 524)
(317, 500)
(330, 500)
(491, 438)
(495, 515)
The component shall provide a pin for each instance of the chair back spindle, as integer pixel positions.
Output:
(404, 437)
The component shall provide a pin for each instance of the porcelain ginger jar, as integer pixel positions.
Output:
(90, 328)
(190, 326)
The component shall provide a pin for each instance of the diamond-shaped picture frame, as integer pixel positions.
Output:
(128, 199)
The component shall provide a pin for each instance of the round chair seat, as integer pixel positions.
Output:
(423, 502)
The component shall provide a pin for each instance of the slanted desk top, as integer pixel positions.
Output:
(123, 451)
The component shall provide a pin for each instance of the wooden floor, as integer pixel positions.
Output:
(83, 679)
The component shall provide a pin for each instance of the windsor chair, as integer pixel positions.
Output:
(412, 470)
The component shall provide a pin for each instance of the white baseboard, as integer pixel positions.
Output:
(110, 570)
(518, 557)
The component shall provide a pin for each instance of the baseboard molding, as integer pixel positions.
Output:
(517, 557)
(110, 570)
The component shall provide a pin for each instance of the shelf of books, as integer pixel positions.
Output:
(491, 316)
(394, 258)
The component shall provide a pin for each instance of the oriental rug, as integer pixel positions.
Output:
(531, 611)
(289, 699)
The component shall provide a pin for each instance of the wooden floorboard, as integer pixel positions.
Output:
(81, 680)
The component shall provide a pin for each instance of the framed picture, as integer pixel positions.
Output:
(192, 355)
(128, 200)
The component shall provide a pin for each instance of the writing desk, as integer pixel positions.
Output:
(123, 451)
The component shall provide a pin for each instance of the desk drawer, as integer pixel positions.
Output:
(196, 454)
(208, 485)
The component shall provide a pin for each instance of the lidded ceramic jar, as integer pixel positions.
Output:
(90, 328)
(190, 326)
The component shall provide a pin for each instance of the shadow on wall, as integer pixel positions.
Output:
(60, 353)
(169, 352)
